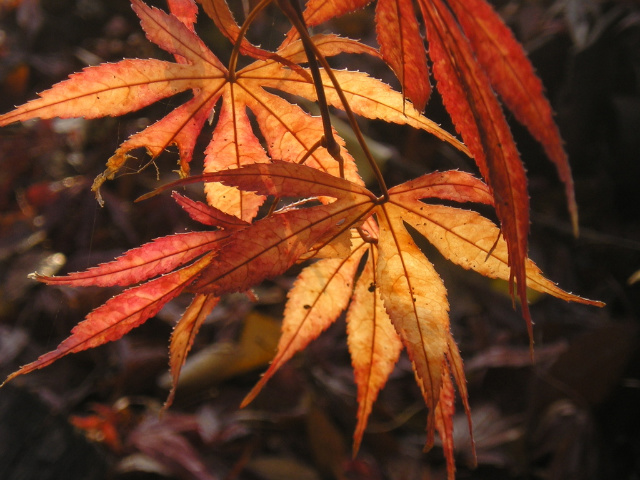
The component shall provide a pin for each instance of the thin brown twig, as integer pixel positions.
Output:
(235, 53)
(291, 8)
(350, 115)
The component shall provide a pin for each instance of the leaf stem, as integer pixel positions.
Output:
(306, 156)
(366, 237)
(235, 53)
(314, 147)
(316, 55)
(291, 9)
(355, 127)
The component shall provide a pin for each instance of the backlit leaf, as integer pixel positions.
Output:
(185, 10)
(233, 145)
(373, 343)
(145, 262)
(400, 44)
(513, 77)
(320, 294)
(272, 245)
(477, 115)
(207, 215)
(449, 185)
(416, 301)
(473, 242)
(264, 146)
(319, 11)
(120, 314)
(183, 335)
(281, 179)
(456, 368)
(444, 421)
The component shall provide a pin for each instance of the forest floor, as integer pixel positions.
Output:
(573, 414)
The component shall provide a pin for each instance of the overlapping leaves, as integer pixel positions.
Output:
(473, 55)
(226, 260)
(397, 301)
(288, 131)
(365, 259)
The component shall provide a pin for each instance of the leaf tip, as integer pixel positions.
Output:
(252, 394)
(15, 374)
(169, 401)
(357, 441)
(431, 431)
(574, 222)
(526, 313)
(146, 196)
(38, 277)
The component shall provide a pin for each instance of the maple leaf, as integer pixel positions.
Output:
(118, 315)
(473, 53)
(184, 10)
(224, 260)
(367, 260)
(290, 133)
(373, 343)
(398, 35)
(467, 93)
(514, 79)
(399, 299)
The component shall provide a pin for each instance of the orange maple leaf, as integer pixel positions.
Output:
(224, 260)
(473, 53)
(397, 301)
(367, 262)
(290, 133)
(399, 287)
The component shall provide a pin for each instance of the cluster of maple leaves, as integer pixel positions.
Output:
(364, 259)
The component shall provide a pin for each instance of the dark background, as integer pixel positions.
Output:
(572, 415)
